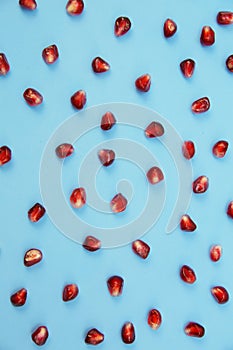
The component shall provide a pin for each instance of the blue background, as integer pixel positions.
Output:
(151, 283)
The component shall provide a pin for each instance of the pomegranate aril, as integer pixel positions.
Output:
(155, 175)
(169, 28)
(28, 4)
(143, 83)
(207, 36)
(115, 285)
(36, 212)
(70, 292)
(187, 67)
(229, 63)
(32, 256)
(154, 319)
(187, 274)
(108, 121)
(118, 203)
(106, 157)
(230, 210)
(94, 337)
(78, 198)
(122, 26)
(215, 253)
(141, 248)
(91, 243)
(187, 224)
(64, 150)
(78, 99)
(201, 105)
(4, 65)
(19, 298)
(5, 155)
(32, 97)
(154, 129)
(193, 329)
(128, 333)
(201, 184)
(74, 7)
(220, 294)
(99, 65)
(50, 54)
(225, 17)
(220, 148)
(40, 335)
(188, 149)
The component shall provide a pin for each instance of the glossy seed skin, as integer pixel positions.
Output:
(32, 257)
(99, 65)
(115, 285)
(141, 248)
(70, 292)
(154, 129)
(75, 7)
(207, 36)
(94, 337)
(229, 63)
(106, 157)
(4, 64)
(154, 319)
(32, 97)
(5, 155)
(143, 83)
(220, 294)
(64, 150)
(122, 26)
(50, 54)
(78, 99)
(215, 252)
(188, 149)
(128, 333)
(230, 210)
(40, 335)
(78, 198)
(36, 212)
(187, 274)
(155, 175)
(169, 28)
(91, 243)
(225, 17)
(201, 184)
(187, 224)
(118, 203)
(28, 4)
(194, 329)
(201, 105)
(108, 120)
(19, 298)
(187, 67)
(220, 149)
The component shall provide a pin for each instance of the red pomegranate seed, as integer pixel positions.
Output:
(188, 149)
(143, 83)
(70, 292)
(128, 333)
(91, 243)
(225, 17)
(75, 7)
(4, 65)
(32, 97)
(94, 337)
(5, 155)
(154, 129)
(28, 4)
(19, 298)
(78, 198)
(220, 294)
(187, 67)
(115, 285)
(50, 54)
(193, 329)
(78, 99)
(118, 203)
(64, 150)
(108, 121)
(106, 156)
(230, 210)
(154, 319)
(169, 28)
(220, 148)
(187, 274)
(99, 65)
(122, 26)
(40, 335)
(229, 63)
(207, 36)
(215, 253)
(187, 224)
(201, 184)
(32, 256)
(36, 212)
(201, 105)
(141, 248)
(155, 175)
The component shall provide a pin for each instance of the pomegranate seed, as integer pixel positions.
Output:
(32, 256)
(155, 175)
(202, 105)
(169, 28)
(64, 150)
(40, 335)
(154, 319)
(154, 129)
(91, 243)
(78, 99)
(28, 4)
(230, 210)
(99, 65)
(106, 156)
(188, 149)
(4, 65)
(187, 274)
(187, 67)
(187, 224)
(215, 253)
(141, 248)
(108, 121)
(19, 298)
(143, 83)
(70, 292)
(193, 329)
(78, 198)
(50, 54)
(75, 7)
(207, 36)
(122, 26)
(94, 337)
(5, 155)
(128, 333)
(229, 63)
(118, 203)
(201, 184)
(225, 17)
(220, 294)
(115, 285)
(36, 212)
(32, 97)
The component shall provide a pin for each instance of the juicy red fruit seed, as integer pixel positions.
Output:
(94, 337)
(201, 105)
(187, 67)
(108, 121)
(187, 224)
(169, 28)
(19, 298)
(4, 65)
(207, 36)
(118, 203)
(78, 198)
(154, 319)
(40, 335)
(99, 65)
(220, 148)
(32, 97)
(141, 248)
(155, 175)
(28, 4)
(50, 54)
(215, 253)
(229, 63)
(106, 156)
(78, 99)
(188, 149)
(220, 294)
(36, 212)
(128, 333)
(143, 83)
(193, 329)
(154, 129)
(91, 243)
(187, 274)
(70, 292)
(122, 26)
(75, 7)
(225, 17)
(5, 155)
(64, 150)
(115, 285)
(32, 256)
(230, 210)
(201, 184)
